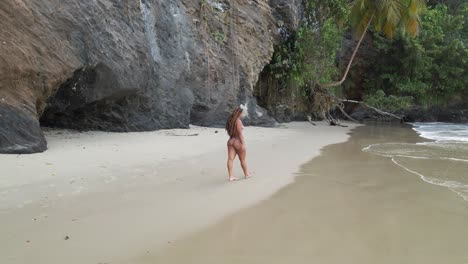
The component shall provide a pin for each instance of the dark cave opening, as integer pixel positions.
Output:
(88, 100)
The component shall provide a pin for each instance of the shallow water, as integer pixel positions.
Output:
(443, 161)
(363, 201)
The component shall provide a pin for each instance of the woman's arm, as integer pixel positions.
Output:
(240, 133)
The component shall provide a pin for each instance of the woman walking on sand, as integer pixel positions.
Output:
(236, 143)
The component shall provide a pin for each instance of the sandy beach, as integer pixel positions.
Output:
(345, 206)
(97, 197)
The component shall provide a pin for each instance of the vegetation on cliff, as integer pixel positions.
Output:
(306, 57)
(428, 70)
(392, 71)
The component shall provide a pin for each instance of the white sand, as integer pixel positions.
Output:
(117, 196)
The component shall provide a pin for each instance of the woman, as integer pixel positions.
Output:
(236, 143)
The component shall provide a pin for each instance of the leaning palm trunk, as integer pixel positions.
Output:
(333, 84)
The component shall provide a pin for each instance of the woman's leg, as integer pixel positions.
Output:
(242, 158)
(231, 157)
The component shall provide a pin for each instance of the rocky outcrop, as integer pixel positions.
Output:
(19, 131)
(453, 114)
(456, 113)
(131, 65)
(281, 98)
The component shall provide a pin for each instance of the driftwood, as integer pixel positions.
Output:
(371, 107)
(187, 135)
(324, 102)
(310, 120)
(341, 107)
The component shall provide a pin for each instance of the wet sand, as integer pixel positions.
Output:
(346, 206)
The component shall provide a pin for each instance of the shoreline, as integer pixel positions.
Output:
(108, 197)
(356, 201)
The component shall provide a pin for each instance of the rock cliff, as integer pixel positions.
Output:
(121, 65)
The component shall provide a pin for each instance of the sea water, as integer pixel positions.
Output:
(442, 159)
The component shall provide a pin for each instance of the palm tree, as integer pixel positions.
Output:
(388, 16)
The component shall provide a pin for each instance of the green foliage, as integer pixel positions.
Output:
(390, 103)
(432, 69)
(308, 56)
(387, 16)
(453, 5)
(429, 69)
(317, 53)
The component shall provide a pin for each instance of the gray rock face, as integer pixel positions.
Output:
(132, 65)
(19, 132)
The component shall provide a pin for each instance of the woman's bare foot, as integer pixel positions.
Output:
(233, 179)
(248, 176)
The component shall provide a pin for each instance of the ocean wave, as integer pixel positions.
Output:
(449, 151)
(442, 131)
(455, 186)
(450, 144)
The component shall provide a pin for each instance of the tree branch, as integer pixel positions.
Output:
(371, 107)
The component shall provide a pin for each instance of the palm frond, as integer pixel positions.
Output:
(361, 12)
(389, 15)
(393, 10)
(389, 30)
(412, 20)
(378, 24)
